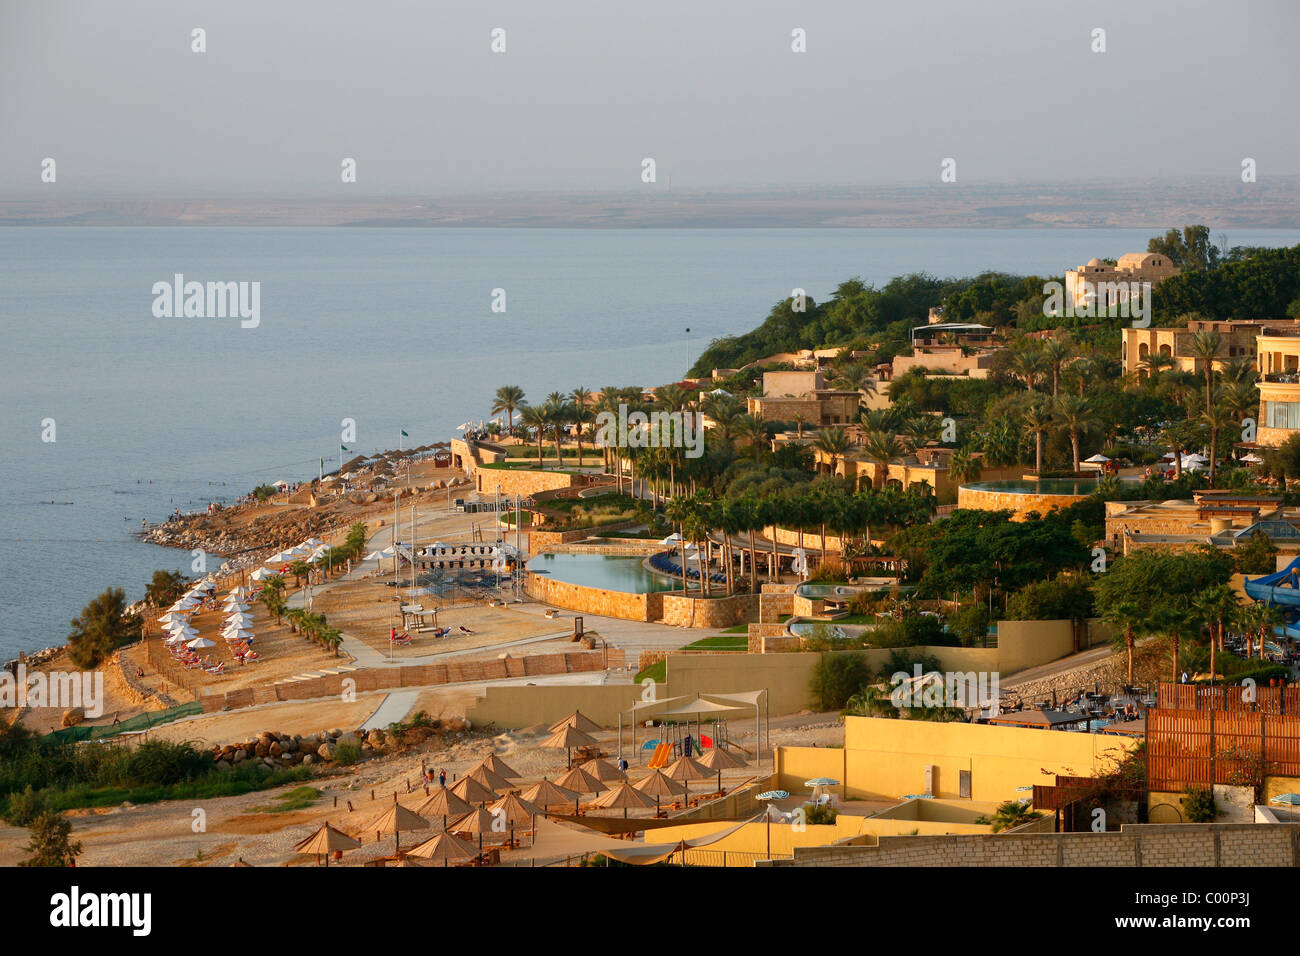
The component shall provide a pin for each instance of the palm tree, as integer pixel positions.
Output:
(581, 405)
(1218, 605)
(1029, 366)
(882, 448)
(1039, 420)
(1130, 617)
(963, 468)
(1205, 347)
(1155, 364)
(855, 377)
(1219, 419)
(1056, 353)
(535, 418)
(559, 414)
(751, 428)
(1076, 418)
(800, 420)
(833, 442)
(509, 399)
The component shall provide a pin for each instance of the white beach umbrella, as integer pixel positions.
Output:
(171, 616)
(235, 606)
(374, 556)
(242, 634)
(312, 543)
(201, 642)
(184, 603)
(1252, 458)
(174, 639)
(261, 574)
(239, 617)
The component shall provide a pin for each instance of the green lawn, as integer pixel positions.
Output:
(721, 642)
(657, 672)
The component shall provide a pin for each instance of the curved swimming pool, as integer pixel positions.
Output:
(609, 572)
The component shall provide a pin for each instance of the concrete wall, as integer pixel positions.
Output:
(514, 706)
(1231, 844)
(886, 758)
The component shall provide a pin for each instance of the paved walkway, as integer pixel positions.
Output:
(393, 709)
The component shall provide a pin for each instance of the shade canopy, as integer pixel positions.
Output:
(659, 785)
(201, 642)
(603, 770)
(395, 820)
(515, 809)
(625, 797)
(497, 765)
(444, 848)
(567, 737)
(327, 840)
(547, 793)
(576, 719)
(477, 822)
(444, 803)
(715, 758)
(686, 768)
(579, 780)
(698, 705)
(489, 778)
(467, 788)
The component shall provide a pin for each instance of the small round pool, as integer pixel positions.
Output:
(1024, 496)
(609, 572)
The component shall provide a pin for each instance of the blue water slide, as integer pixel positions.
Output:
(1282, 588)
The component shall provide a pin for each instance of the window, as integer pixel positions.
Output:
(1282, 414)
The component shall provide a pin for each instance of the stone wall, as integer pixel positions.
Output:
(719, 612)
(1020, 504)
(1204, 845)
(757, 633)
(576, 597)
(547, 540)
(415, 675)
(522, 482)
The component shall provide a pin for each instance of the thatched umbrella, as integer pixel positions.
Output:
(625, 797)
(515, 811)
(576, 719)
(472, 791)
(579, 781)
(489, 778)
(657, 785)
(497, 765)
(445, 848)
(325, 840)
(567, 738)
(545, 793)
(478, 822)
(603, 770)
(685, 769)
(394, 820)
(719, 760)
(443, 803)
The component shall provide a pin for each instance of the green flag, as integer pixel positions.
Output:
(344, 448)
(404, 435)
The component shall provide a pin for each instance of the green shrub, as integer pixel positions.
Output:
(820, 814)
(347, 754)
(837, 676)
(25, 807)
(1199, 806)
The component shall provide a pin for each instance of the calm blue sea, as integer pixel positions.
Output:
(390, 327)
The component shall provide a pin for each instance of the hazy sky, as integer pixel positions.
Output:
(587, 88)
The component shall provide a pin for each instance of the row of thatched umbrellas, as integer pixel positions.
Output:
(481, 785)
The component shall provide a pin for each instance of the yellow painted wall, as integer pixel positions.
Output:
(514, 706)
(887, 758)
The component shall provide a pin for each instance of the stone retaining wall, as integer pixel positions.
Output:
(1208, 845)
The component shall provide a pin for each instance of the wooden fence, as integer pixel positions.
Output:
(1233, 698)
(1188, 748)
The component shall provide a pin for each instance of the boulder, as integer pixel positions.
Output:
(308, 759)
(275, 749)
(240, 756)
(325, 752)
(72, 716)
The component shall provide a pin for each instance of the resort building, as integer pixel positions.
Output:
(1239, 338)
(1223, 519)
(928, 466)
(1101, 285)
(1278, 359)
(804, 395)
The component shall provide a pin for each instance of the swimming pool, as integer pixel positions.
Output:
(1045, 486)
(609, 572)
